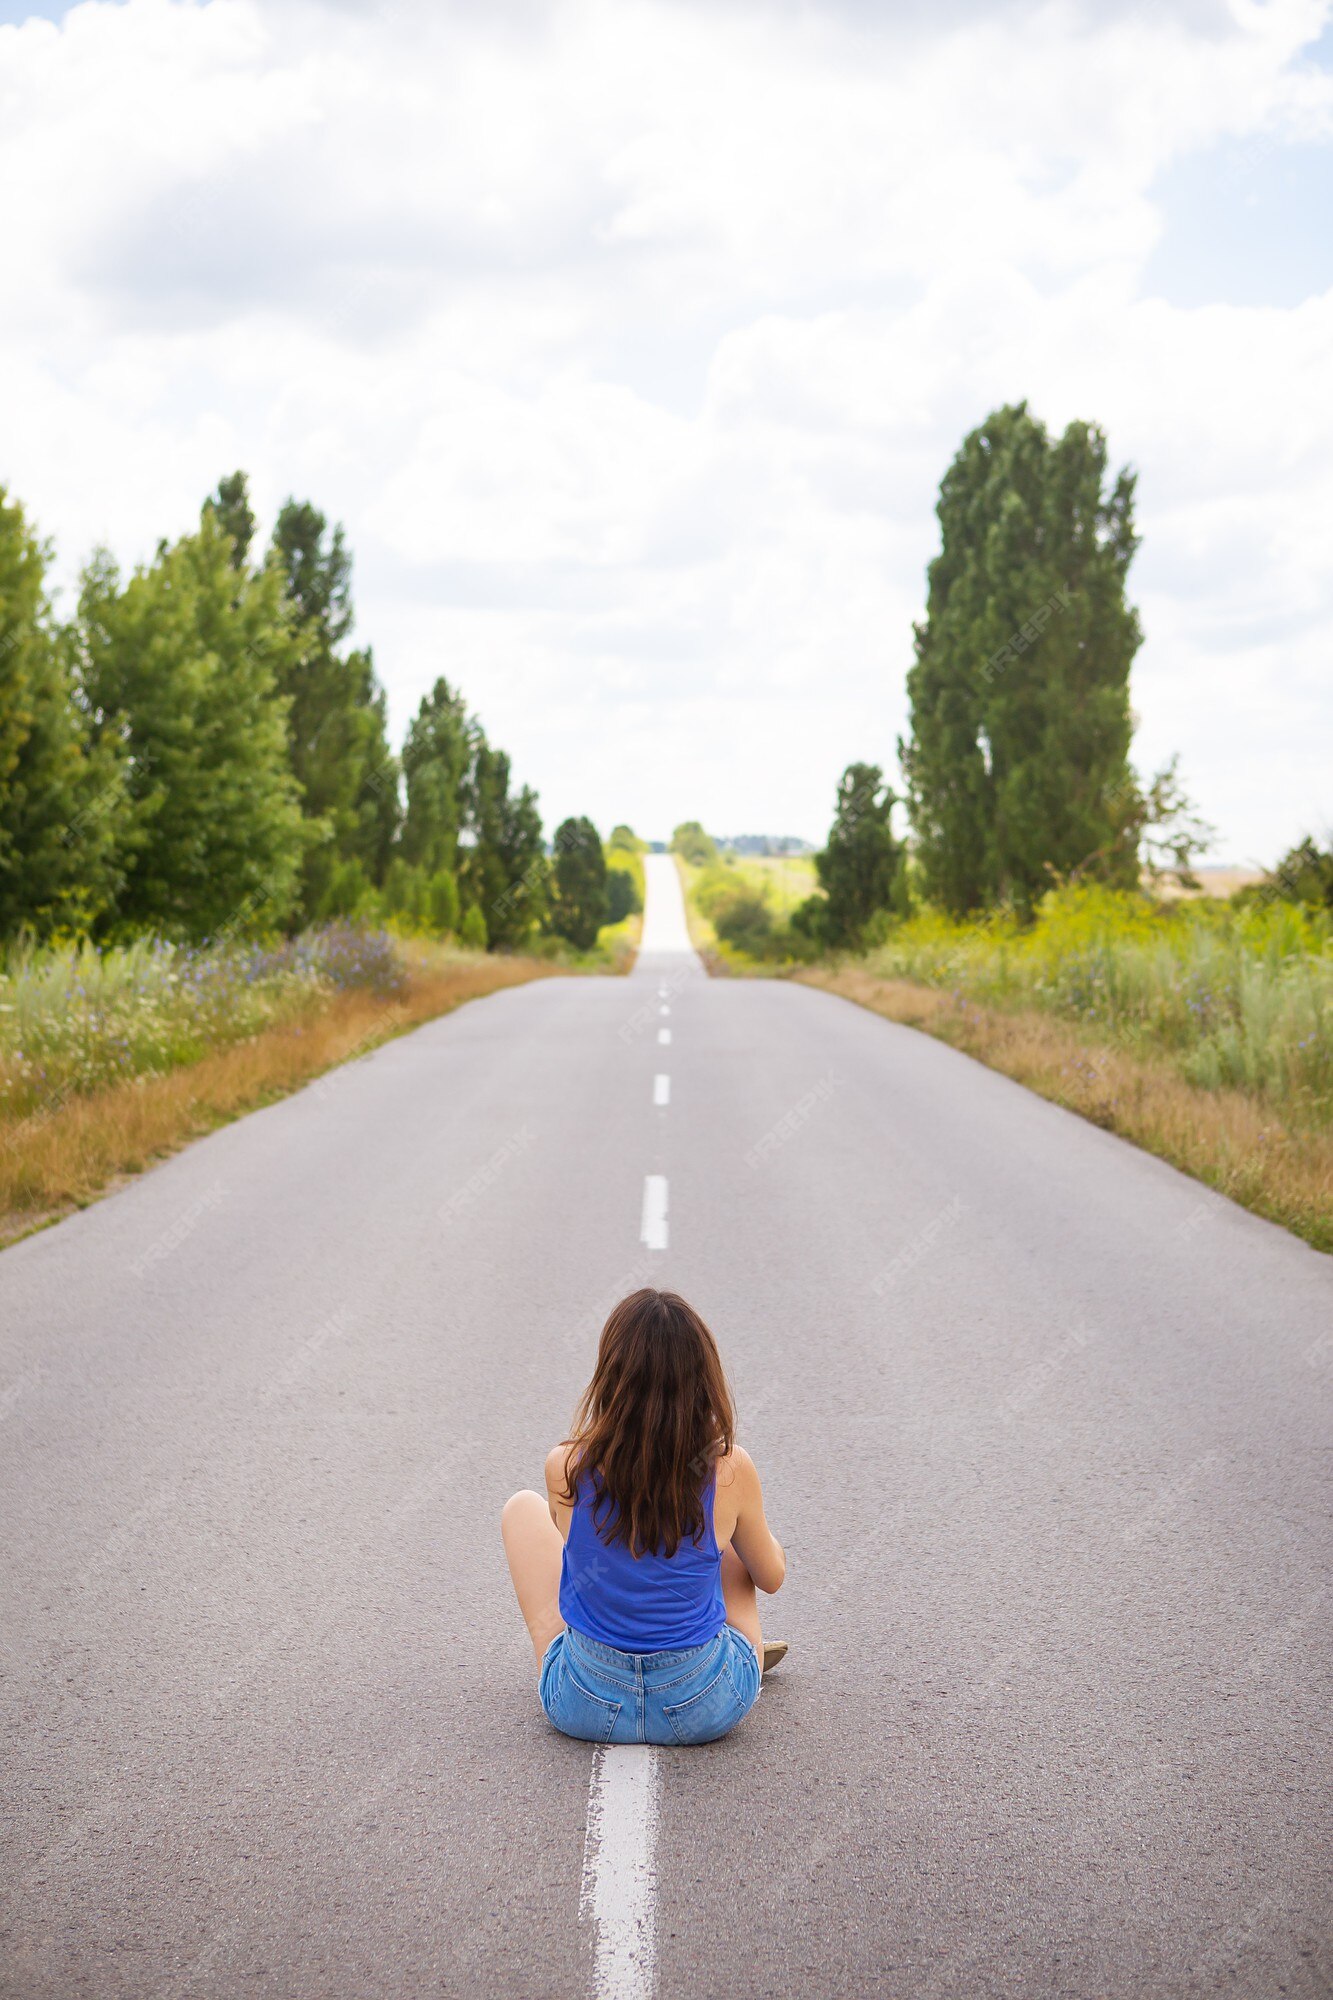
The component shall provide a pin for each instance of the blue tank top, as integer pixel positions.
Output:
(655, 1604)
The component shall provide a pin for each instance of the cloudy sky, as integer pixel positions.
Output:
(630, 339)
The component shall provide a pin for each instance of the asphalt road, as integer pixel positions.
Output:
(1043, 1425)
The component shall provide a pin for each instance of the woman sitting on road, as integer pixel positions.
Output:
(636, 1573)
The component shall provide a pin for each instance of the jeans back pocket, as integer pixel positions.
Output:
(709, 1714)
(576, 1710)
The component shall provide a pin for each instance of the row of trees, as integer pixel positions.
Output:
(201, 750)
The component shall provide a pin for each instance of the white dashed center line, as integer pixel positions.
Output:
(618, 1877)
(619, 1874)
(653, 1225)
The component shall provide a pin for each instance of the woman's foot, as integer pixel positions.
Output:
(774, 1651)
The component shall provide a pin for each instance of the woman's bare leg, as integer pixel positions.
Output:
(534, 1548)
(742, 1603)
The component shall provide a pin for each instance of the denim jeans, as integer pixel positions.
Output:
(602, 1695)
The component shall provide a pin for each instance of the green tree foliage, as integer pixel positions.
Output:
(692, 844)
(503, 871)
(62, 799)
(350, 893)
(624, 840)
(201, 751)
(339, 744)
(579, 901)
(475, 843)
(437, 761)
(418, 900)
(1019, 694)
(1157, 821)
(442, 902)
(182, 666)
(317, 567)
(622, 895)
(472, 931)
(861, 871)
(742, 918)
(1304, 875)
(231, 504)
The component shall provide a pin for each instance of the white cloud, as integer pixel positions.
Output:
(630, 341)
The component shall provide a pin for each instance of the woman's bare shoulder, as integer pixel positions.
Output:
(557, 1460)
(737, 1466)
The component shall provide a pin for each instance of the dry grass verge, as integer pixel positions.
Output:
(1222, 1137)
(62, 1158)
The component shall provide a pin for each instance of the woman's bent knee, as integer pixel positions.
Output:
(519, 1504)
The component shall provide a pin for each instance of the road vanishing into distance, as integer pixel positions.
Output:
(1043, 1424)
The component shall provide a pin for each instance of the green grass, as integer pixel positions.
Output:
(1238, 996)
(75, 1019)
(787, 878)
(182, 1065)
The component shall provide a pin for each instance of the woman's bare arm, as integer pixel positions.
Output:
(555, 1489)
(754, 1541)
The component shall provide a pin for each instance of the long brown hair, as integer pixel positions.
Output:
(656, 1414)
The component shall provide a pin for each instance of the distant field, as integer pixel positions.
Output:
(1214, 882)
(789, 878)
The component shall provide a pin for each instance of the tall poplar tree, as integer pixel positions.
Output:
(182, 665)
(437, 755)
(231, 504)
(1018, 760)
(503, 871)
(339, 739)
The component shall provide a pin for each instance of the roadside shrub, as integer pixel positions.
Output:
(714, 887)
(442, 902)
(350, 893)
(579, 894)
(622, 895)
(741, 917)
(344, 957)
(691, 842)
(73, 1018)
(1240, 994)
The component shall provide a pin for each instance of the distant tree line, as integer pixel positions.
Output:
(769, 845)
(200, 750)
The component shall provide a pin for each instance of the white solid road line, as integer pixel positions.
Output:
(618, 1878)
(664, 1036)
(664, 1010)
(661, 1090)
(653, 1226)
